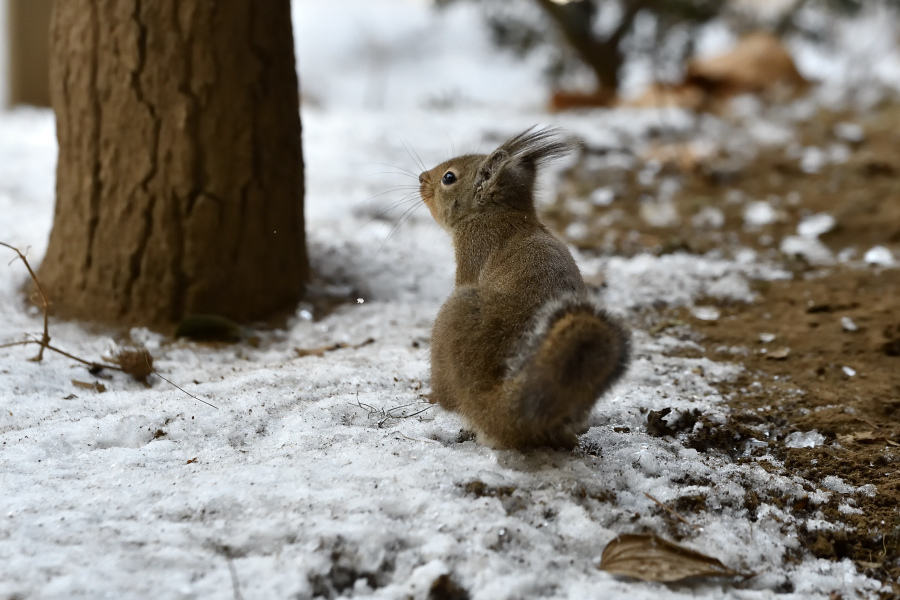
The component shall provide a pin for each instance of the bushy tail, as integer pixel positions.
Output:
(574, 353)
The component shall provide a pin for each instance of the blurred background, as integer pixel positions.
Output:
(397, 54)
(737, 119)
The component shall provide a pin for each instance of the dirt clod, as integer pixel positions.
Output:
(444, 588)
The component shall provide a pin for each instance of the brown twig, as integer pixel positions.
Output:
(44, 342)
(45, 339)
(671, 511)
(321, 350)
(47, 346)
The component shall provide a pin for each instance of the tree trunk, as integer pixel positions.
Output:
(29, 22)
(180, 176)
(604, 57)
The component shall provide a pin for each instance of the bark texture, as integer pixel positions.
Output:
(180, 176)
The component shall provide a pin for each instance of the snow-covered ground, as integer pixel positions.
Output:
(311, 478)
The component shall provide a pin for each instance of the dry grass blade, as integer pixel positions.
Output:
(671, 511)
(652, 558)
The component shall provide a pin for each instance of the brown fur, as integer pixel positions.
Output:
(518, 349)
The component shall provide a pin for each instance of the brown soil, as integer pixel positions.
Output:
(834, 363)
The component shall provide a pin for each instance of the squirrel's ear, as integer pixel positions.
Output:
(523, 154)
(488, 172)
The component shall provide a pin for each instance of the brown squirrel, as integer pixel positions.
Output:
(519, 349)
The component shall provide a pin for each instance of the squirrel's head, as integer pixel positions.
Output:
(473, 185)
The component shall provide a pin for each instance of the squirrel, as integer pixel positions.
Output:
(520, 349)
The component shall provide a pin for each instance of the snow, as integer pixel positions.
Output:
(804, 439)
(879, 255)
(815, 225)
(810, 248)
(847, 324)
(314, 476)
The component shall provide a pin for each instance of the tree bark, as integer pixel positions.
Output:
(180, 174)
(29, 22)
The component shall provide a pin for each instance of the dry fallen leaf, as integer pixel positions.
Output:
(758, 62)
(652, 558)
(861, 437)
(779, 354)
(96, 386)
(321, 350)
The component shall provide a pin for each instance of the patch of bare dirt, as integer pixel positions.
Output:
(821, 351)
(859, 185)
(843, 384)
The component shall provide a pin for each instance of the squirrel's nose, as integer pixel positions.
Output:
(422, 178)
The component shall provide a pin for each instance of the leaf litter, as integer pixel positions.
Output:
(652, 558)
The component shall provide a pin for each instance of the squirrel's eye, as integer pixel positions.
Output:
(449, 178)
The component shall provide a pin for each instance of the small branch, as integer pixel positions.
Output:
(44, 342)
(45, 339)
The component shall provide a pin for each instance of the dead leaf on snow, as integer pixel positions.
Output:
(96, 386)
(321, 350)
(652, 558)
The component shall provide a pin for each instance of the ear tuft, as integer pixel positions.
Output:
(538, 146)
(529, 150)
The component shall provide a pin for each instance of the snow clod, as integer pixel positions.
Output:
(809, 439)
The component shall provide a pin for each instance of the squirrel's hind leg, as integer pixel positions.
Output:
(459, 364)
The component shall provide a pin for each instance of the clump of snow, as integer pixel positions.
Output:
(812, 160)
(759, 213)
(603, 196)
(881, 256)
(847, 324)
(659, 212)
(804, 439)
(849, 132)
(815, 225)
(708, 217)
(706, 313)
(809, 248)
(836, 484)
